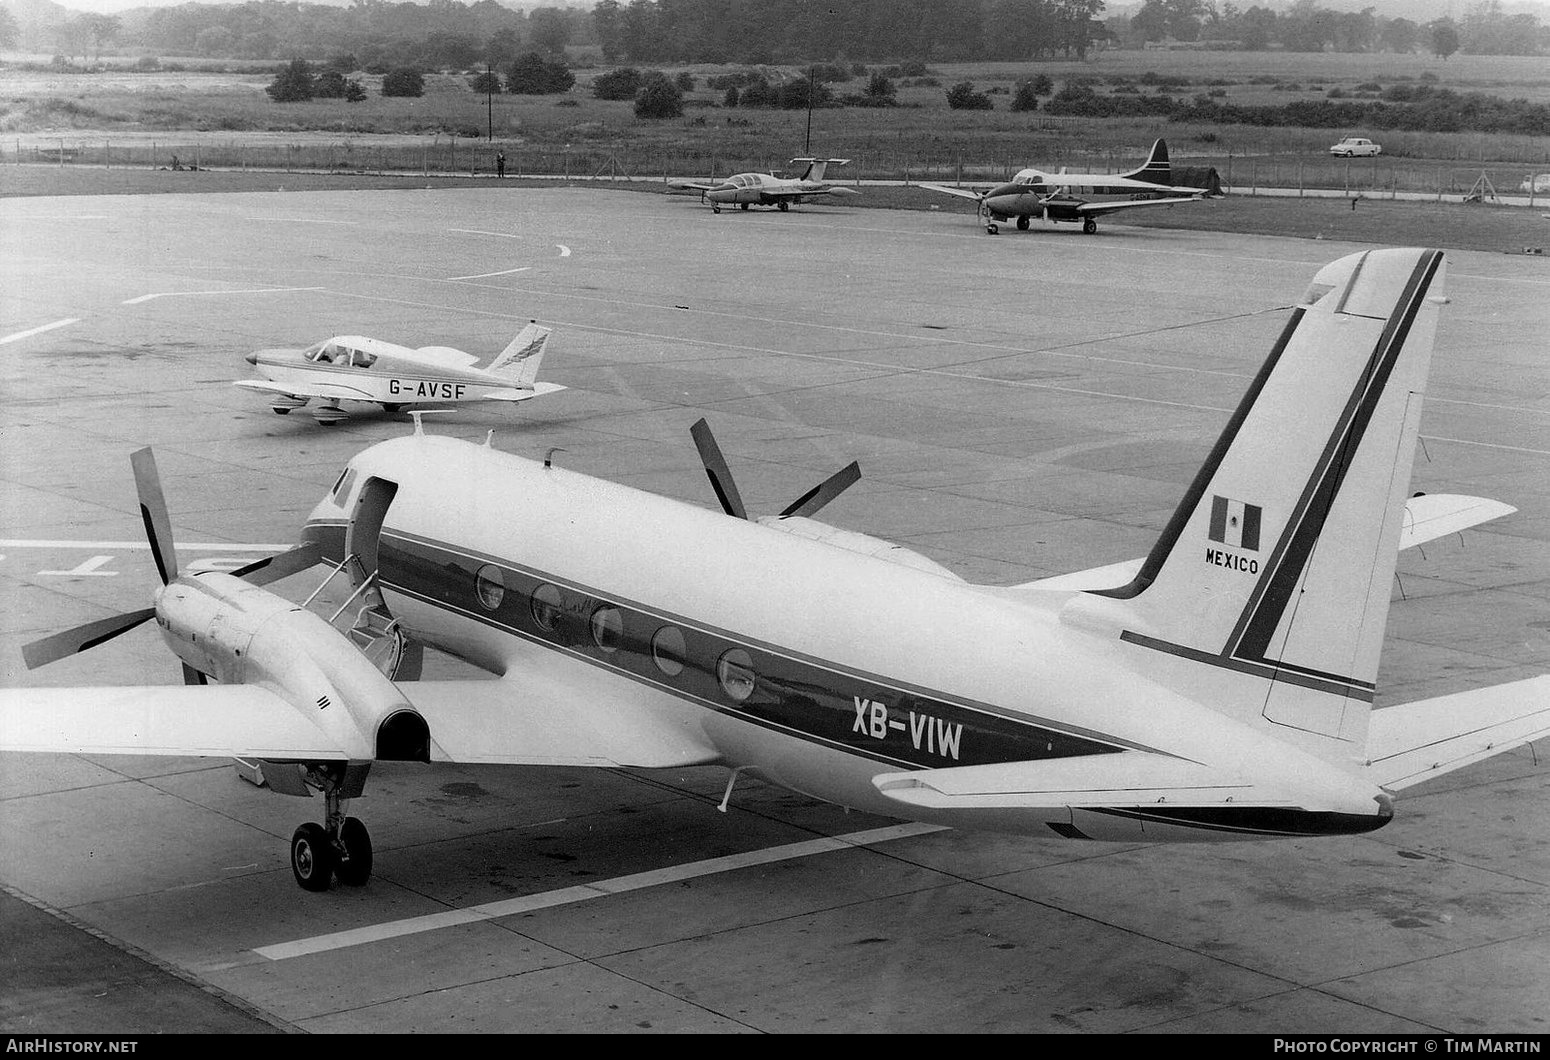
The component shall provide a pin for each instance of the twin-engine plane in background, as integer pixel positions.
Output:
(356, 368)
(1076, 197)
(1221, 689)
(765, 189)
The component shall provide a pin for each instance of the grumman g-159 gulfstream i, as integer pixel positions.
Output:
(355, 368)
(1074, 197)
(1222, 691)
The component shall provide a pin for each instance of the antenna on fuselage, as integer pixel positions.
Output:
(489, 439)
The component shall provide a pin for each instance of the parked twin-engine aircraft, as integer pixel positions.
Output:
(765, 189)
(1224, 691)
(355, 368)
(1076, 196)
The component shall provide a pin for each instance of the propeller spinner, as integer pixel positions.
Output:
(721, 481)
(158, 532)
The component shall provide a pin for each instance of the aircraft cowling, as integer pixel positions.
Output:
(239, 633)
(852, 541)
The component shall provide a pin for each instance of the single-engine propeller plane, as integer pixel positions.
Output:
(1076, 197)
(356, 368)
(1221, 689)
(765, 189)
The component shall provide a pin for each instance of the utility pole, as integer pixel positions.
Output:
(807, 145)
(489, 102)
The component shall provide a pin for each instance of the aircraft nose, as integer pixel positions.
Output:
(251, 358)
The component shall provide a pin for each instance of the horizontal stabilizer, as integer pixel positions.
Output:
(1129, 778)
(522, 393)
(962, 193)
(191, 720)
(1428, 516)
(1414, 742)
(1433, 515)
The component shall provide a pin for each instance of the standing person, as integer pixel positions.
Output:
(500, 164)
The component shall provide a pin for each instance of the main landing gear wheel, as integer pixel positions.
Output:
(742, 206)
(391, 408)
(312, 857)
(715, 209)
(784, 206)
(1022, 222)
(280, 410)
(991, 228)
(1089, 226)
(354, 865)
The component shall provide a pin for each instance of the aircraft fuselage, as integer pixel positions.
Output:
(819, 668)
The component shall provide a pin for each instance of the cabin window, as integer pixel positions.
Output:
(343, 487)
(607, 628)
(546, 607)
(362, 359)
(490, 586)
(735, 672)
(667, 650)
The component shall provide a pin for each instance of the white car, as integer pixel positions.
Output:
(1355, 147)
(1536, 185)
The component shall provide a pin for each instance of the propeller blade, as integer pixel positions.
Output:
(825, 491)
(717, 471)
(273, 568)
(153, 512)
(42, 652)
(192, 676)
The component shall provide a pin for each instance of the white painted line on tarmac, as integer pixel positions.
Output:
(487, 275)
(587, 891)
(564, 250)
(180, 294)
(482, 232)
(197, 546)
(18, 336)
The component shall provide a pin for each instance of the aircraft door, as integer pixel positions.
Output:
(373, 628)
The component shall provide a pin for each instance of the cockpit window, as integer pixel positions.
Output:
(362, 359)
(324, 353)
(342, 488)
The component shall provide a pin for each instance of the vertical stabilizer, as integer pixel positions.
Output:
(520, 360)
(1276, 568)
(1156, 170)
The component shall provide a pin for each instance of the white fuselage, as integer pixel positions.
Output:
(817, 666)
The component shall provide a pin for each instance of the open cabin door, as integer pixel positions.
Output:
(366, 618)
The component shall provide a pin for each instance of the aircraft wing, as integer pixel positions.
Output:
(1428, 516)
(525, 719)
(245, 721)
(962, 193)
(690, 185)
(319, 390)
(1416, 741)
(1094, 209)
(516, 394)
(1127, 778)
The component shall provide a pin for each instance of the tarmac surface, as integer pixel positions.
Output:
(1021, 406)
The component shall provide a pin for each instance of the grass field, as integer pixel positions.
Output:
(122, 118)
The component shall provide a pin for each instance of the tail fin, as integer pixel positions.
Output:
(1276, 569)
(1156, 170)
(816, 166)
(520, 360)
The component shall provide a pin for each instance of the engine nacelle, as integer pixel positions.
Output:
(852, 541)
(239, 633)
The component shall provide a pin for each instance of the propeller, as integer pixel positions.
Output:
(721, 481)
(158, 532)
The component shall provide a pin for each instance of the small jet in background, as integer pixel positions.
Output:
(355, 368)
(1076, 196)
(766, 189)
